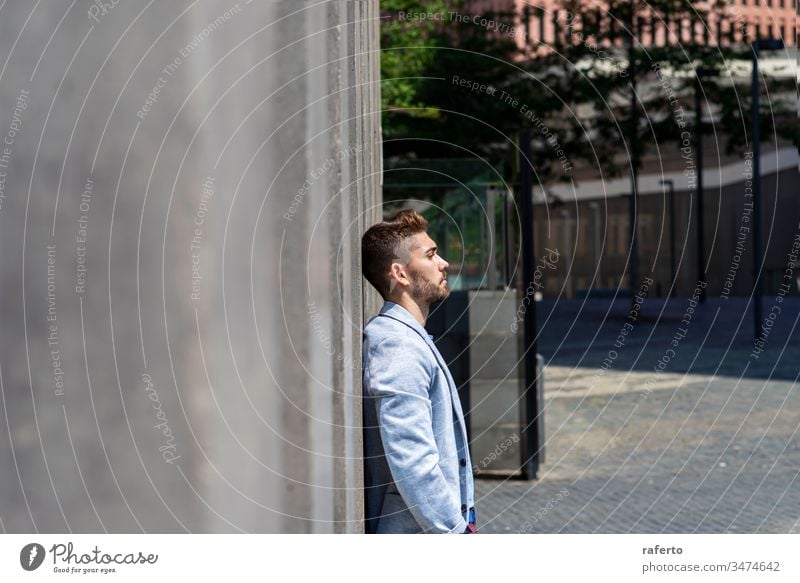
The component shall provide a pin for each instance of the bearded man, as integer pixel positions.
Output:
(418, 472)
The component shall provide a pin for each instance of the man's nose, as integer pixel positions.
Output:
(445, 264)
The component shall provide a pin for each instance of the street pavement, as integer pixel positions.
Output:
(676, 427)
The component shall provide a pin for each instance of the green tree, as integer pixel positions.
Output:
(438, 76)
(598, 94)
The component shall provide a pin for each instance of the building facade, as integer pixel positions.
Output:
(541, 25)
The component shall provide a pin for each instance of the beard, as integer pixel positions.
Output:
(425, 291)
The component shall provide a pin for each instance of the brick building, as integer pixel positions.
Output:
(541, 24)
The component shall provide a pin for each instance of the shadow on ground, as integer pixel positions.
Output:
(715, 338)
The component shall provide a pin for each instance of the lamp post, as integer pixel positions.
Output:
(700, 74)
(508, 201)
(532, 441)
(670, 184)
(491, 264)
(596, 244)
(566, 243)
(633, 145)
(758, 263)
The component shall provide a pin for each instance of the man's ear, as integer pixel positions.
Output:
(397, 276)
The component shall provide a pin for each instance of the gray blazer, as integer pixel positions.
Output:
(418, 472)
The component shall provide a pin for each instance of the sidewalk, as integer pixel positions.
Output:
(679, 427)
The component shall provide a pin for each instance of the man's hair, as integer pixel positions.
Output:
(381, 245)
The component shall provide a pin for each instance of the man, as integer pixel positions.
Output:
(418, 469)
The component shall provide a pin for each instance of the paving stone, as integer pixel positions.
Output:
(712, 445)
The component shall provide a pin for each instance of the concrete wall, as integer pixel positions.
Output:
(183, 196)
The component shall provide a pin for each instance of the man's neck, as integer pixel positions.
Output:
(418, 311)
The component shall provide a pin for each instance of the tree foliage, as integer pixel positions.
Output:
(458, 83)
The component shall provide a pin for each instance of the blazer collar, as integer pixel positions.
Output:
(400, 313)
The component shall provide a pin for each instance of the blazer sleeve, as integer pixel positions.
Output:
(398, 380)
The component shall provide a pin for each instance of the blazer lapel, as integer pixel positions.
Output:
(397, 312)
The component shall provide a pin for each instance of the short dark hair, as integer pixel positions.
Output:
(380, 246)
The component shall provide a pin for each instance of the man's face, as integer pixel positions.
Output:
(427, 271)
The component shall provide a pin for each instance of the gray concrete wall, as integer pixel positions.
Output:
(183, 196)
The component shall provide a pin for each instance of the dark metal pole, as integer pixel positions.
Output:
(506, 239)
(597, 260)
(670, 184)
(698, 136)
(758, 260)
(757, 318)
(491, 213)
(530, 422)
(633, 141)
